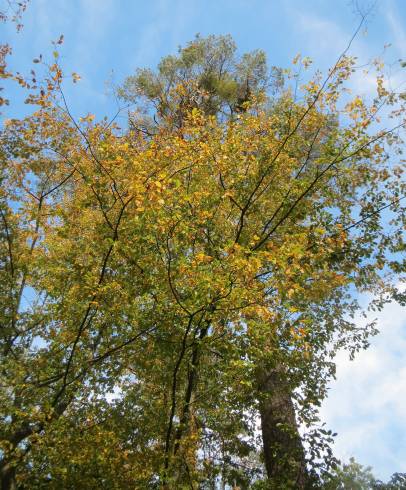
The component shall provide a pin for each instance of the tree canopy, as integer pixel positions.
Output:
(356, 477)
(199, 264)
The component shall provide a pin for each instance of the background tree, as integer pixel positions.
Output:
(354, 476)
(206, 75)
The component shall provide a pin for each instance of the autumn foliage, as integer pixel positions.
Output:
(181, 264)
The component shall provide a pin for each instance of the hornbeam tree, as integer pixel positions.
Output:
(200, 263)
(207, 75)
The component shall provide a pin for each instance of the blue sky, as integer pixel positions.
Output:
(108, 39)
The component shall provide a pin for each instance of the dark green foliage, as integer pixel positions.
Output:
(210, 74)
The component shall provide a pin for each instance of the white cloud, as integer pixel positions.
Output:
(168, 22)
(325, 40)
(396, 27)
(366, 405)
(322, 35)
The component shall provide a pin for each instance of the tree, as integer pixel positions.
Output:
(356, 477)
(351, 475)
(179, 83)
(206, 75)
(201, 265)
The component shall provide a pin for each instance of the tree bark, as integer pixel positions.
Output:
(190, 389)
(7, 477)
(284, 455)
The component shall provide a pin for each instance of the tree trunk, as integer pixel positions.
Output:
(190, 389)
(282, 445)
(7, 477)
